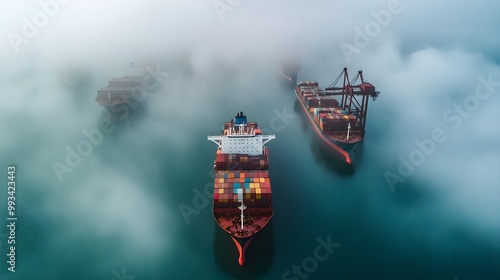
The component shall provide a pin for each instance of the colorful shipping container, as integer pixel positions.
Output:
(252, 187)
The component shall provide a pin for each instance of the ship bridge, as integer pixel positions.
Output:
(241, 137)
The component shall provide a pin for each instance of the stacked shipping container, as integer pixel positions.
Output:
(252, 187)
(314, 101)
(332, 119)
(241, 162)
(335, 122)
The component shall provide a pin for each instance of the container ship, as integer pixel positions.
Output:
(122, 95)
(340, 125)
(288, 70)
(242, 202)
(115, 97)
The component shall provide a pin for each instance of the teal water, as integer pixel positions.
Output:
(116, 215)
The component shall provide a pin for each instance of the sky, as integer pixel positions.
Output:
(425, 57)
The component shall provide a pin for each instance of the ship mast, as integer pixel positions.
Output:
(242, 207)
(348, 130)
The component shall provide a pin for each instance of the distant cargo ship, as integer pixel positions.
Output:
(122, 96)
(117, 94)
(242, 202)
(339, 125)
(288, 70)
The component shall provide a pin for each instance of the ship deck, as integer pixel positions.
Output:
(354, 136)
(340, 135)
(254, 220)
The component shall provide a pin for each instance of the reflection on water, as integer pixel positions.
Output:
(147, 157)
(258, 259)
(303, 119)
(323, 154)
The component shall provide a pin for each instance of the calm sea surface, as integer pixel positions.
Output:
(117, 215)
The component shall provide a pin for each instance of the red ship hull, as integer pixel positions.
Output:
(325, 139)
(243, 242)
(259, 209)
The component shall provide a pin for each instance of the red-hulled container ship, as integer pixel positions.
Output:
(242, 204)
(339, 124)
